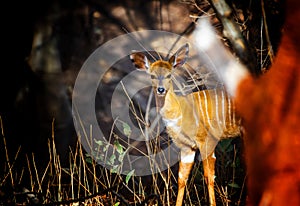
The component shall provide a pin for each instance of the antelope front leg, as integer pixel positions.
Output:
(209, 175)
(185, 166)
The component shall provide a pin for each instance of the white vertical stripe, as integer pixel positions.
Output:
(223, 110)
(217, 110)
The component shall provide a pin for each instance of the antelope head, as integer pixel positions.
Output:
(161, 70)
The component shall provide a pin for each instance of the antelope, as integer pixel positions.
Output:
(269, 106)
(193, 121)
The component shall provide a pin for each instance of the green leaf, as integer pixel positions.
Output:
(89, 160)
(126, 129)
(119, 147)
(233, 185)
(115, 169)
(105, 148)
(117, 204)
(121, 157)
(98, 142)
(128, 176)
(112, 159)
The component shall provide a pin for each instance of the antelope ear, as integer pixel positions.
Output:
(140, 61)
(180, 57)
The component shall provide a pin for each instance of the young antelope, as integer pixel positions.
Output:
(194, 121)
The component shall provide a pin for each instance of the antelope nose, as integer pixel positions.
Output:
(161, 90)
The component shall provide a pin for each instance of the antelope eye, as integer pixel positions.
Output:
(168, 76)
(153, 76)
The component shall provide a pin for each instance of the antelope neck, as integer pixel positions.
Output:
(171, 108)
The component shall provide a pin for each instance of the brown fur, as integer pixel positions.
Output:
(270, 107)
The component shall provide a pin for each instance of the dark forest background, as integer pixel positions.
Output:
(45, 43)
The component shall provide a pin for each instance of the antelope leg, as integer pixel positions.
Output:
(209, 175)
(185, 166)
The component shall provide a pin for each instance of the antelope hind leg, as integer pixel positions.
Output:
(209, 175)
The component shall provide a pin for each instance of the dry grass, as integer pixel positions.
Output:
(86, 183)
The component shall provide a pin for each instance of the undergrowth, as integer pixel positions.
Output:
(84, 182)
